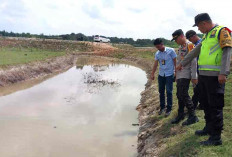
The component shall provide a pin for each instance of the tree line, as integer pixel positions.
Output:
(82, 37)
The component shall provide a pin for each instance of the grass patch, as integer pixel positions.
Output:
(12, 56)
(148, 54)
(119, 55)
(126, 49)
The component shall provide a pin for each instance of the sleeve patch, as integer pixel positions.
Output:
(225, 38)
(190, 47)
(228, 30)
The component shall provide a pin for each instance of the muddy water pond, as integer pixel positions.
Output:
(87, 111)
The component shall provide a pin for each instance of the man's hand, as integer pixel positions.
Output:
(152, 77)
(179, 67)
(195, 81)
(221, 79)
(174, 76)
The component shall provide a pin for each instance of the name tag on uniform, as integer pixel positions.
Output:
(163, 62)
(182, 56)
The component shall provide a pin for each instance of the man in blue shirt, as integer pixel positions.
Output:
(166, 58)
(191, 35)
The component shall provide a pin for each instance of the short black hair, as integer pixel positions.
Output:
(190, 33)
(158, 41)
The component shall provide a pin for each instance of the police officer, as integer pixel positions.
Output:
(191, 35)
(183, 79)
(214, 65)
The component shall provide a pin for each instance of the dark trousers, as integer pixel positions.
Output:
(183, 97)
(196, 98)
(213, 102)
(168, 83)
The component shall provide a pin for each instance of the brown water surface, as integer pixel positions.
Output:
(87, 111)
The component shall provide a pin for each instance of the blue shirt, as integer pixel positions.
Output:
(166, 64)
(198, 42)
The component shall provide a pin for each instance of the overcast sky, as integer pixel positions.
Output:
(121, 18)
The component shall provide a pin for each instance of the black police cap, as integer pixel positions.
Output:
(176, 34)
(190, 33)
(201, 17)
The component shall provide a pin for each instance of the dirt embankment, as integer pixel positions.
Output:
(19, 73)
(147, 137)
(57, 45)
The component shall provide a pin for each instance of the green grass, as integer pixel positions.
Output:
(119, 55)
(148, 54)
(183, 142)
(13, 56)
(126, 49)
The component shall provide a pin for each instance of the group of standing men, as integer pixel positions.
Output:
(204, 62)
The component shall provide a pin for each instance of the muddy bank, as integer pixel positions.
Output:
(147, 139)
(19, 73)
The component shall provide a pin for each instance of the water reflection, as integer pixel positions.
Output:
(59, 117)
(127, 133)
(98, 64)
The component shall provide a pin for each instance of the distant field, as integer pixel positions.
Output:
(13, 56)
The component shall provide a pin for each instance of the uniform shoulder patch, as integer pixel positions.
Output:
(190, 47)
(212, 35)
(225, 38)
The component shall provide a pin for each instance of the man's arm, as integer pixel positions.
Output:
(174, 61)
(225, 67)
(226, 45)
(173, 55)
(194, 71)
(154, 69)
(191, 55)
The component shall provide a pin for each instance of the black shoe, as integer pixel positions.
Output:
(167, 113)
(177, 119)
(203, 132)
(214, 140)
(190, 120)
(161, 111)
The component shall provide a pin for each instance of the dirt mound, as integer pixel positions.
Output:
(103, 48)
(57, 45)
